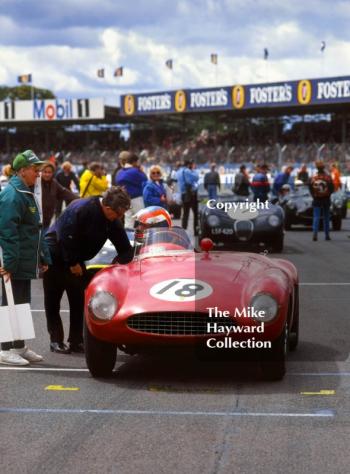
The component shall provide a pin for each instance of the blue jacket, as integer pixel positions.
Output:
(187, 176)
(152, 193)
(132, 179)
(280, 180)
(82, 230)
(20, 231)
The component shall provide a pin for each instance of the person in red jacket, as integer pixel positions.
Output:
(335, 173)
(321, 188)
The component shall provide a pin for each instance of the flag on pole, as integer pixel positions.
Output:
(24, 79)
(266, 53)
(169, 63)
(323, 46)
(100, 73)
(214, 58)
(118, 72)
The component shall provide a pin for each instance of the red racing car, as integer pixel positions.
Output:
(172, 295)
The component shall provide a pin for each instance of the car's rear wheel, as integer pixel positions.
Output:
(100, 356)
(273, 361)
(294, 330)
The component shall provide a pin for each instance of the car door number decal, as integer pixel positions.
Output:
(181, 289)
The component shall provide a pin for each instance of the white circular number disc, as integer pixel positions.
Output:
(181, 289)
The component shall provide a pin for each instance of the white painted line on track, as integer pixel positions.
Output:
(319, 374)
(325, 284)
(317, 414)
(44, 369)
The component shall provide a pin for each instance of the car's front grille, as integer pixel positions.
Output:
(244, 229)
(174, 323)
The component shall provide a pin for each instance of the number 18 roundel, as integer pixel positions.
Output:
(181, 289)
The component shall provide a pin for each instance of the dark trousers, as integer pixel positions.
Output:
(192, 204)
(58, 279)
(317, 210)
(21, 295)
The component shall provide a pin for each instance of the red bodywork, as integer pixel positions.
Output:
(235, 278)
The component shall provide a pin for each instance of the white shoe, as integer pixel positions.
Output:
(12, 358)
(27, 354)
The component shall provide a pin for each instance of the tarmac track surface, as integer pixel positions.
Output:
(180, 415)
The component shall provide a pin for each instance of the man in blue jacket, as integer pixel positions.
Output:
(24, 252)
(187, 178)
(282, 178)
(132, 179)
(77, 236)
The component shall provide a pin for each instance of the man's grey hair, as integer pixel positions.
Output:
(116, 198)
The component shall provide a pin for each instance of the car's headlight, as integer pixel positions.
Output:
(274, 221)
(267, 305)
(103, 305)
(291, 204)
(213, 221)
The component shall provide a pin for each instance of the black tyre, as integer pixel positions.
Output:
(100, 356)
(294, 330)
(287, 222)
(277, 244)
(273, 361)
(336, 222)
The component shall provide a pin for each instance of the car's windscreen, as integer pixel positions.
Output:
(160, 241)
(301, 191)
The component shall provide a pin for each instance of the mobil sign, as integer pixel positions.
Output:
(58, 109)
(52, 110)
(67, 109)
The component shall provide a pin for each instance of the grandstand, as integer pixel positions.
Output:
(231, 132)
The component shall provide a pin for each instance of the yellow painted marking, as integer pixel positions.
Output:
(321, 392)
(61, 388)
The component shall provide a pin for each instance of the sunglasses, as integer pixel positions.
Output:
(156, 172)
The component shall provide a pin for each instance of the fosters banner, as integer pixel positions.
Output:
(278, 94)
(51, 110)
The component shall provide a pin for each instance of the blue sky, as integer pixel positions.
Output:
(63, 43)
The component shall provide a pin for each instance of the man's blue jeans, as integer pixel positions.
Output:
(212, 191)
(316, 218)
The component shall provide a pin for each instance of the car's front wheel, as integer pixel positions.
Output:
(287, 220)
(277, 244)
(273, 361)
(294, 330)
(100, 355)
(336, 222)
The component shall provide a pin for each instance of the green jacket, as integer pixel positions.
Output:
(20, 231)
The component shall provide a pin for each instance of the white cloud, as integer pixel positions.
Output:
(64, 54)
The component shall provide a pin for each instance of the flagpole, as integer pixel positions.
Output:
(323, 48)
(322, 64)
(214, 61)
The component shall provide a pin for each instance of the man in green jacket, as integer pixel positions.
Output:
(24, 251)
